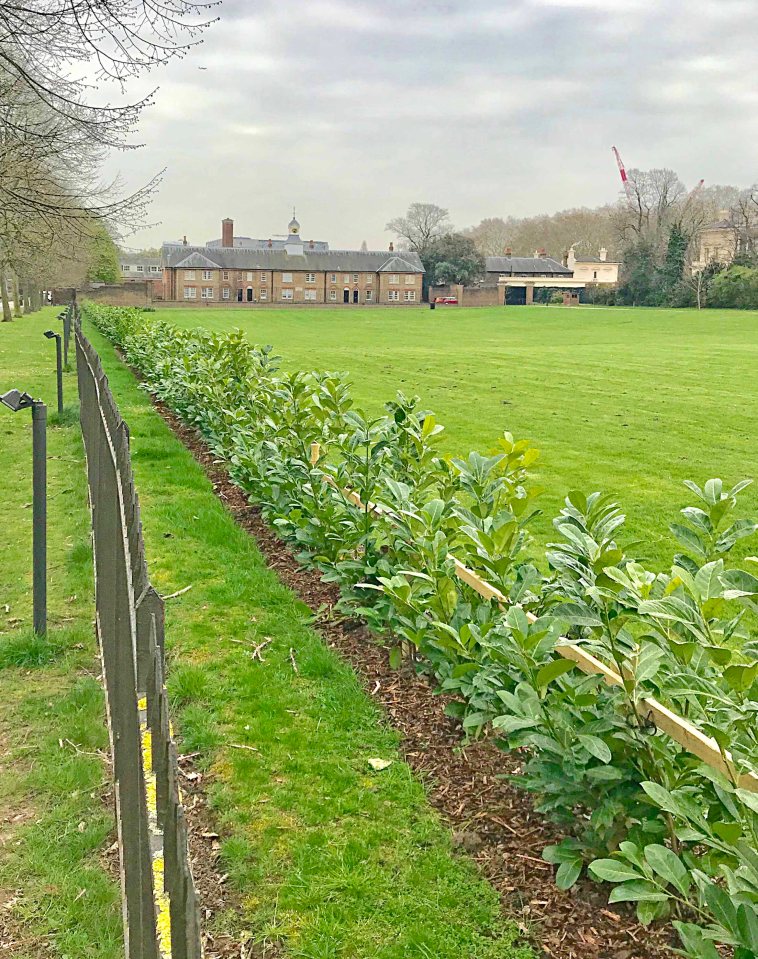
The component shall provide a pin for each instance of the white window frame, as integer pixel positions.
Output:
(410, 296)
(369, 296)
(263, 295)
(206, 293)
(225, 274)
(410, 279)
(288, 295)
(207, 274)
(393, 295)
(155, 269)
(190, 292)
(140, 269)
(356, 277)
(125, 268)
(189, 274)
(346, 278)
(332, 277)
(309, 295)
(394, 277)
(333, 295)
(286, 277)
(369, 278)
(225, 293)
(310, 277)
(264, 277)
(249, 275)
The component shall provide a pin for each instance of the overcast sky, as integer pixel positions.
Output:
(352, 109)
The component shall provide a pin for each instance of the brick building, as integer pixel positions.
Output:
(245, 270)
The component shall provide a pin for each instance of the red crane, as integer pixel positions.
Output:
(624, 178)
(628, 187)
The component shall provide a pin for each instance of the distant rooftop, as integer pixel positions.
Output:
(526, 266)
(250, 243)
(265, 258)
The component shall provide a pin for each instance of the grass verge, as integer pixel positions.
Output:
(58, 891)
(331, 858)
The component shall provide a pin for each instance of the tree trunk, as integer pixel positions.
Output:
(17, 311)
(35, 299)
(7, 316)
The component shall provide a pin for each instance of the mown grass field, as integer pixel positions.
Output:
(57, 898)
(627, 401)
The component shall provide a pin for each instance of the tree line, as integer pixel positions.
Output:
(58, 60)
(654, 231)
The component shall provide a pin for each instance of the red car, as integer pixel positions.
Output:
(447, 300)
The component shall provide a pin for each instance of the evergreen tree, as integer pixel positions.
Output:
(104, 266)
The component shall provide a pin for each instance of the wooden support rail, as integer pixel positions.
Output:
(680, 730)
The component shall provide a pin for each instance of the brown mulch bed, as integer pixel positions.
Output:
(492, 820)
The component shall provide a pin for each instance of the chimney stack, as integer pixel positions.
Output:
(509, 251)
(184, 240)
(603, 254)
(227, 232)
(392, 247)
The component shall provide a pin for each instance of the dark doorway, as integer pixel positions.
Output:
(346, 296)
(250, 294)
(515, 296)
(355, 296)
(239, 295)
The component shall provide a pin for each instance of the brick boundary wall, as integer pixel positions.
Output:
(281, 305)
(128, 294)
(469, 295)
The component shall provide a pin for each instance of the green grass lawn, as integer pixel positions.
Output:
(56, 897)
(331, 859)
(628, 401)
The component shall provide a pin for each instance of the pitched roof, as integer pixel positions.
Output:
(526, 265)
(195, 259)
(399, 263)
(594, 259)
(137, 259)
(349, 261)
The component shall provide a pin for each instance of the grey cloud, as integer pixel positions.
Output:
(354, 108)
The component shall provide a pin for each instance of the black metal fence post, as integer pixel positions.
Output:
(39, 520)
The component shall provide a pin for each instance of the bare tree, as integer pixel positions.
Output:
(52, 139)
(656, 196)
(40, 40)
(421, 226)
(492, 235)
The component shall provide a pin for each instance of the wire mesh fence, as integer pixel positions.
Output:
(159, 905)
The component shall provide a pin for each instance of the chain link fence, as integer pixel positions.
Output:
(160, 910)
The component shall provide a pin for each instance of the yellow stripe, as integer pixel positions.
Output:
(163, 912)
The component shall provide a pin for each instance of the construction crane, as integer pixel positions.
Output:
(628, 187)
(624, 178)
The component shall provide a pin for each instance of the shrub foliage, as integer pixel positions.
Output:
(675, 836)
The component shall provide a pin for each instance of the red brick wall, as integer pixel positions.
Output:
(132, 294)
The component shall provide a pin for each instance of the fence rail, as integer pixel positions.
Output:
(159, 906)
(679, 729)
